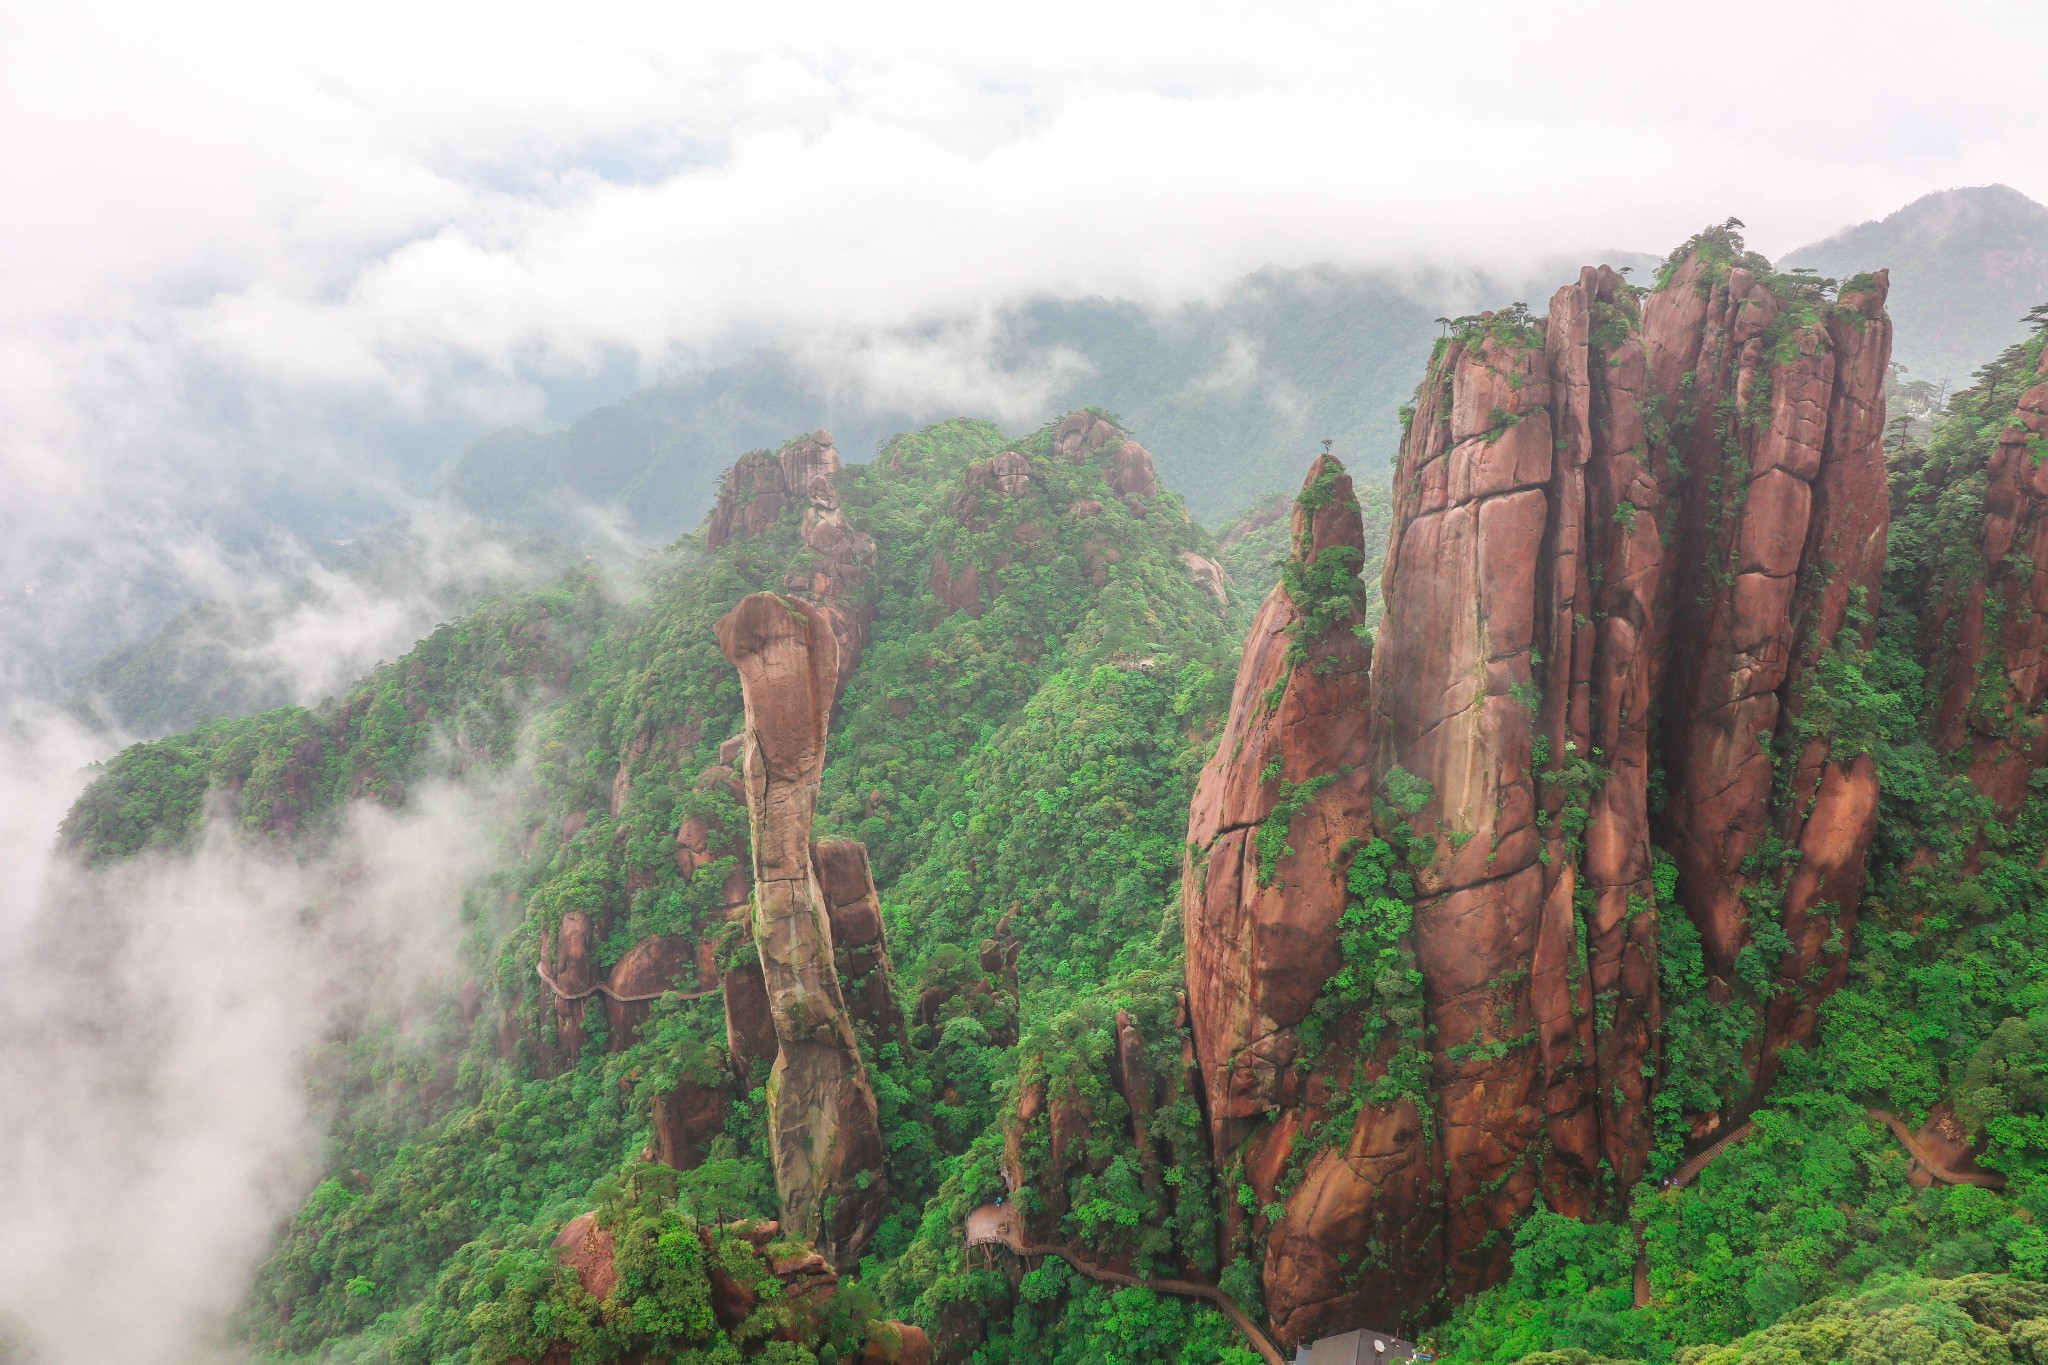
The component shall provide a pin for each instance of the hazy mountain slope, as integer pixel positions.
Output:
(1966, 265)
(1236, 388)
(310, 633)
(652, 459)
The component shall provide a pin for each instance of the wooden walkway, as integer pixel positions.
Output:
(1933, 1162)
(1930, 1161)
(541, 969)
(991, 1225)
(1690, 1171)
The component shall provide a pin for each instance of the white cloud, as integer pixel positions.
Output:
(248, 242)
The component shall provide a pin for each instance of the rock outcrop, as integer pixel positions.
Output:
(837, 567)
(762, 485)
(838, 577)
(589, 1251)
(824, 1134)
(989, 483)
(1276, 818)
(1208, 575)
(1081, 434)
(1260, 900)
(1781, 536)
(749, 1018)
(1625, 538)
(1130, 474)
(686, 1119)
(957, 589)
(573, 976)
(747, 1268)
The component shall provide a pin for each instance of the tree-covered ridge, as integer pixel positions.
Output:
(234, 658)
(1024, 755)
(467, 687)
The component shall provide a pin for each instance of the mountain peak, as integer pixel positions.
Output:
(1968, 262)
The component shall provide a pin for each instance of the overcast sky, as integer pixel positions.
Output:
(236, 237)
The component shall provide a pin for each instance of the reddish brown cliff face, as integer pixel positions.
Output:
(824, 1134)
(761, 486)
(1276, 819)
(1624, 537)
(1995, 631)
(1780, 415)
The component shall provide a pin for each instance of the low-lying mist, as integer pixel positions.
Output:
(156, 1115)
(286, 626)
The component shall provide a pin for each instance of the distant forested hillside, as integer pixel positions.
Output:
(1235, 388)
(1966, 265)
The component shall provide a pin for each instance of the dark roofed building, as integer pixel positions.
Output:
(1363, 1347)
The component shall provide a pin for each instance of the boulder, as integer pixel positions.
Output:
(588, 1249)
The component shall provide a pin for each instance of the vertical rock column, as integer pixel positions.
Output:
(824, 1135)
(1594, 978)
(855, 910)
(1457, 694)
(1626, 535)
(1278, 816)
(1777, 414)
(1261, 929)
(1830, 811)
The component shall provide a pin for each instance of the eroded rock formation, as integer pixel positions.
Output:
(1625, 538)
(837, 579)
(1782, 535)
(855, 910)
(824, 1136)
(1262, 934)
(1081, 434)
(1276, 816)
(762, 485)
(989, 483)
